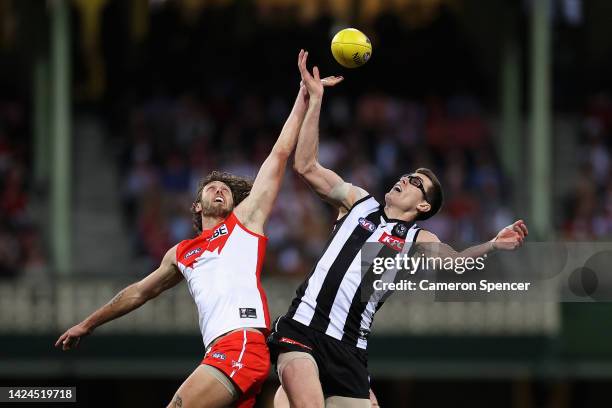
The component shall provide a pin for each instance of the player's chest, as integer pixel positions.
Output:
(203, 251)
(377, 234)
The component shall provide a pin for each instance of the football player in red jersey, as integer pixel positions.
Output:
(230, 216)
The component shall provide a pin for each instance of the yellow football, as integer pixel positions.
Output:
(351, 48)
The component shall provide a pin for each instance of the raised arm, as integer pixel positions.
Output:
(325, 182)
(509, 238)
(164, 277)
(255, 209)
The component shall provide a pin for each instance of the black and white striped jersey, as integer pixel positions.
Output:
(338, 297)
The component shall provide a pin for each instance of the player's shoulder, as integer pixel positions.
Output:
(357, 195)
(185, 242)
(361, 202)
(425, 236)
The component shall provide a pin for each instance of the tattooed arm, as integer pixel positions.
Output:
(177, 402)
(130, 298)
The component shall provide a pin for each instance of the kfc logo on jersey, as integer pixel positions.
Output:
(392, 242)
(219, 232)
(192, 252)
(367, 224)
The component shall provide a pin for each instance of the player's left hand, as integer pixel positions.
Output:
(512, 236)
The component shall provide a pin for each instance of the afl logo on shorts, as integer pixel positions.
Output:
(366, 224)
(218, 355)
(192, 252)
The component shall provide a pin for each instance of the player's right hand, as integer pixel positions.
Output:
(71, 338)
(313, 83)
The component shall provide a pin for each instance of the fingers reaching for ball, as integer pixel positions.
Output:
(313, 82)
(521, 224)
(315, 73)
(332, 80)
(512, 236)
(302, 58)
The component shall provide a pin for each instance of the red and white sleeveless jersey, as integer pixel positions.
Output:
(222, 268)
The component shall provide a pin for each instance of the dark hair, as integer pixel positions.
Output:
(434, 194)
(239, 186)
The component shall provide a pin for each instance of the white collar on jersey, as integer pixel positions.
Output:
(383, 221)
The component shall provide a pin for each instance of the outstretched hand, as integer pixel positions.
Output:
(313, 83)
(71, 338)
(512, 236)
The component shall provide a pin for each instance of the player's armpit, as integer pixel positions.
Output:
(429, 244)
(355, 194)
(331, 187)
(254, 210)
(347, 194)
(166, 276)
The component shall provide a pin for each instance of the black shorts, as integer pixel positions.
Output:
(343, 368)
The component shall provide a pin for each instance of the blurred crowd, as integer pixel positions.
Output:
(177, 113)
(369, 141)
(21, 248)
(588, 207)
(194, 90)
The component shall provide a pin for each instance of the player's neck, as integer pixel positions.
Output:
(397, 214)
(209, 221)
